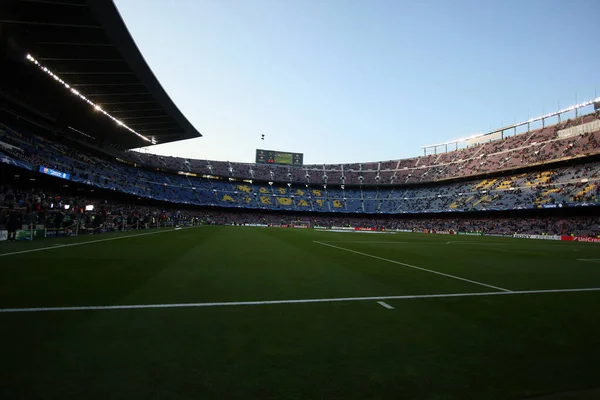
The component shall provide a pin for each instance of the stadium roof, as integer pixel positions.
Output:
(86, 47)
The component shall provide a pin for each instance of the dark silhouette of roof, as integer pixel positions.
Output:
(86, 44)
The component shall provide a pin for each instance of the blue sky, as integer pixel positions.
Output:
(353, 81)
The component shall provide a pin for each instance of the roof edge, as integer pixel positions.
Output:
(112, 23)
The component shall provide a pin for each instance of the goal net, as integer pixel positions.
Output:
(300, 224)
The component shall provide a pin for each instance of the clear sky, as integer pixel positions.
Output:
(352, 81)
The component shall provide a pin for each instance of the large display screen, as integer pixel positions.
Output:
(53, 172)
(278, 157)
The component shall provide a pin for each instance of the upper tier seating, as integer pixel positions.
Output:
(535, 147)
(336, 188)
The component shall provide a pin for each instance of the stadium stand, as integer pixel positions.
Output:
(569, 185)
(530, 148)
(63, 215)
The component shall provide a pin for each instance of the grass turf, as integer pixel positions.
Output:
(488, 347)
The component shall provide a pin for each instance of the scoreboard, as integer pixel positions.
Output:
(278, 157)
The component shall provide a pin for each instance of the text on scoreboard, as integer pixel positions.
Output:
(278, 157)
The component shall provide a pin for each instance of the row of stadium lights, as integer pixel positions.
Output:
(82, 97)
(98, 108)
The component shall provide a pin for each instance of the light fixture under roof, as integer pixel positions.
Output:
(82, 97)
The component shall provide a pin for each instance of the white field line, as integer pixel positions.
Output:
(386, 305)
(361, 241)
(478, 243)
(395, 242)
(60, 246)
(300, 301)
(589, 259)
(414, 266)
(414, 241)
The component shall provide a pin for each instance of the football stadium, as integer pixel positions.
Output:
(468, 271)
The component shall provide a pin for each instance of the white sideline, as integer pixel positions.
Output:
(414, 266)
(477, 243)
(60, 246)
(362, 241)
(589, 259)
(300, 301)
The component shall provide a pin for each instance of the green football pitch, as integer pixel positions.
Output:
(236, 313)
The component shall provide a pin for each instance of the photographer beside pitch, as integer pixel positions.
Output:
(13, 222)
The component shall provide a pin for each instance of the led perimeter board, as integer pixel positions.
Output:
(278, 157)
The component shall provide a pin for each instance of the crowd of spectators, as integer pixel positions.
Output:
(61, 214)
(563, 186)
(511, 151)
(581, 226)
(67, 214)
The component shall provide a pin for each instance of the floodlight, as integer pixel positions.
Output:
(76, 93)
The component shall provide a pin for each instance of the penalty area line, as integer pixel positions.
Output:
(386, 305)
(413, 266)
(300, 301)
